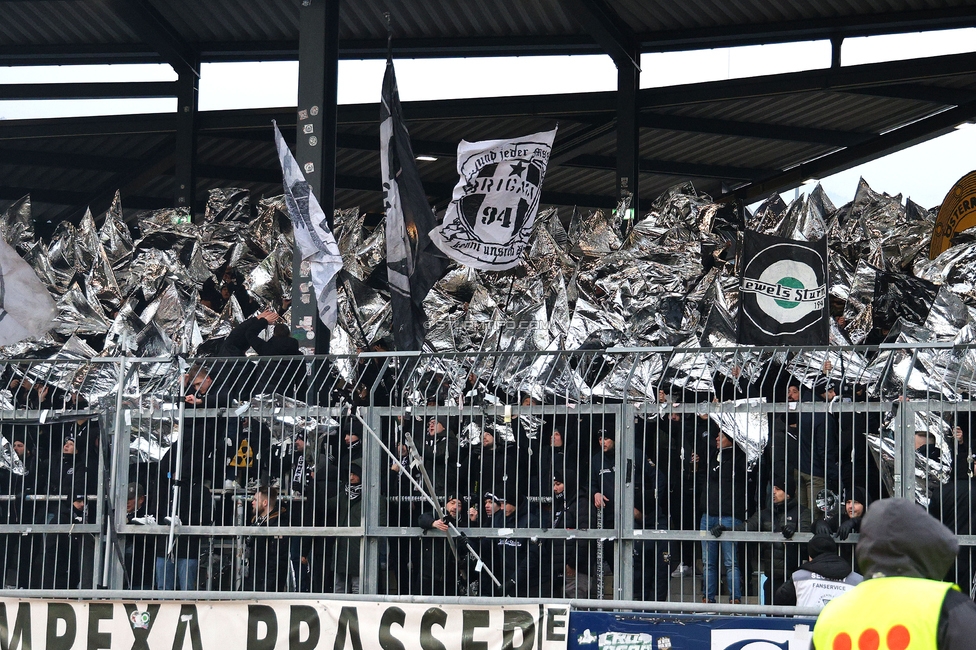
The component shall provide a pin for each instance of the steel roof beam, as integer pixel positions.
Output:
(920, 92)
(94, 90)
(891, 22)
(64, 160)
(749, 129)
(581, 143)
(891, 77)
(919, 131)
(62, 197)
(672, 40)
(607, 29)
(154, 30)
(672, 168)
(846, 79)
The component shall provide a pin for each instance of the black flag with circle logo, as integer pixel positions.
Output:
(783, 291)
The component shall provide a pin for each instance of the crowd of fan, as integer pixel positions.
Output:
(555, 470)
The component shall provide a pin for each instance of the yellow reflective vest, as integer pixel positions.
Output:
(896, 613)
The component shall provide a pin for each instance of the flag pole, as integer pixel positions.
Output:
(433, 502)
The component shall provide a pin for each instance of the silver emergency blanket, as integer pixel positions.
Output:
(9, 460)
(154, 427)
(588, 282)
(929, 473)
(286, 418)
(746, 425)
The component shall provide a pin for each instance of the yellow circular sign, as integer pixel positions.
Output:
(958, 213)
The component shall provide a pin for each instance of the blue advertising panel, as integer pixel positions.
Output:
(632, 631)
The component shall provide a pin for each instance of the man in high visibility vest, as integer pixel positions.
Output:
(903, 553)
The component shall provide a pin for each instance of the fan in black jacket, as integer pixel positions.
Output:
(723, 502)
(783, 515)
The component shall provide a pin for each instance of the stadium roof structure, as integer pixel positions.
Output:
(738, 139)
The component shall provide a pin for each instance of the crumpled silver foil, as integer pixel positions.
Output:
(908, 372)
(65, 369)
(265, 230)
(548, 376)
(270, 280)
(928, 473)
(89, 254)
(61, 253)
(666, 278)
(846, 367)
(596, 235)
(362, 251)
(154, 427)
(691, 370)
(365, 314)
(857, 311)
(748, 426)
(954, 269)
(768, 217)
(286, 418)
(229, 204)
(635, 376)
(17, 226)
(115, 238)
(80, 314)
(9, 460)
(806, 218)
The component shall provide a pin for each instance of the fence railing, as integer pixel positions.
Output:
(623, 474)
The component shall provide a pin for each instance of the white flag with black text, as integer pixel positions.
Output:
(26, 308)
(312, 234)
(493, 208)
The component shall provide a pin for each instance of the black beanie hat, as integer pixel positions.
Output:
(821, 544)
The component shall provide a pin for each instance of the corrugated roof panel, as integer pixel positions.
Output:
(57, 22)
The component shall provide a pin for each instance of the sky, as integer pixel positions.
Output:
(924, 172)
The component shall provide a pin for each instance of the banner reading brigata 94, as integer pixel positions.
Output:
(493, 208)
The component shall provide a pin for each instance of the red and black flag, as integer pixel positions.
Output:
(413, 264)
(783, 292)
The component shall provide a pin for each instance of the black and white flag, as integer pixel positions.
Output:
(492, 211)
(26, 308)
(312, 234)
(783, 292)
(411, 264)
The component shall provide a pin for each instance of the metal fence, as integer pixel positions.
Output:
(620, 474)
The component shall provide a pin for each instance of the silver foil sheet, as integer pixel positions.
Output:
(595, 235)
(80, 314)
(928, 472)
(747, 425)
(17, 225)
(286, 418)
(229, 204)
(154, 427)
(9, 460)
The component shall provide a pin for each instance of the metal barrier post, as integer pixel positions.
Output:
(113, 575)
(369, 568)
(626, 475)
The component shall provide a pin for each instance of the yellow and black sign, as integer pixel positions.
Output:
(958, 213)
(244, 456)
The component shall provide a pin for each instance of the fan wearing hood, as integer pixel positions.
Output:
(903, 553)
